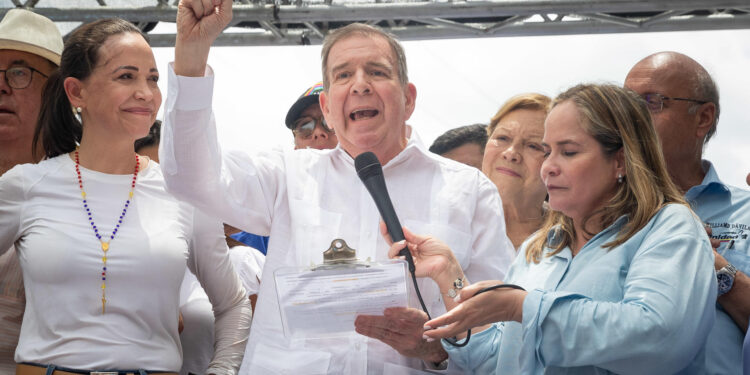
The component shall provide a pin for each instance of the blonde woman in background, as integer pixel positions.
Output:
(512, 159)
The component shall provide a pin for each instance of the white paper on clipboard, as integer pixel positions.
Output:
(325, 302)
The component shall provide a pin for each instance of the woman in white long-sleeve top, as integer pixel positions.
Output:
(101, 243)
(620, 277)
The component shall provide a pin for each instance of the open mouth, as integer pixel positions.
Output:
(363, 114)
(4, 110)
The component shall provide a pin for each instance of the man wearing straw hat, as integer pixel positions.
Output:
(30, 49)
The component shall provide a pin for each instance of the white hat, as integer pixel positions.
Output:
(26, 31)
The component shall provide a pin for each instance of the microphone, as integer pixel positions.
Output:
(370, 172)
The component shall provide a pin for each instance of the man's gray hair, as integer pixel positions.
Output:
(361, 29)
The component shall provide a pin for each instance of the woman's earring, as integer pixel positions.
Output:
(619, 178)
(78, 109)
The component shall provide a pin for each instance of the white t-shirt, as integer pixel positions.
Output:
(304, 199)
(42, 212)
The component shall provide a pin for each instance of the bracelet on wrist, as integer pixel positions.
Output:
(458, 284)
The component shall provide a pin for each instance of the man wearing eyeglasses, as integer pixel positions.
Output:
(30, 48)
(28, 55)
(684, 105)
(305, 120)
(310, 130)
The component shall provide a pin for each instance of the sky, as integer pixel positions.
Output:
(465, 81)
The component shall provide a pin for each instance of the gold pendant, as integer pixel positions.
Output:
(105, 246)
(104, 300)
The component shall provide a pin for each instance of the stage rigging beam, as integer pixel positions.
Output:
(285, 22)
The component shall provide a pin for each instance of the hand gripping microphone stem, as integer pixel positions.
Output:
(371, 173)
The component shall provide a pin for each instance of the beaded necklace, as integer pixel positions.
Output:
(105, 244)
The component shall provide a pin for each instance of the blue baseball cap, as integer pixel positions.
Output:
(308, 98)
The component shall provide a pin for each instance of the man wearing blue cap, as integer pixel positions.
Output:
(310, 130)
(305, 120)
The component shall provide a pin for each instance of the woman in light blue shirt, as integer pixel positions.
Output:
(620, 278)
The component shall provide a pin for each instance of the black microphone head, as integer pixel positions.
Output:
(367, 165)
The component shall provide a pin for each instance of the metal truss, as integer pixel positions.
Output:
(300, 22)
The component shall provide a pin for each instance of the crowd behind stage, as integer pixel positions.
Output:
(578, 234)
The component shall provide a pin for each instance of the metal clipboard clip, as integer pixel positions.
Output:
(340, 255)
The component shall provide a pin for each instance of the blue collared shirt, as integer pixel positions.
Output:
(727, 210)
(643, 307)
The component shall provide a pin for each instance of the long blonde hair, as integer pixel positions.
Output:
(618, 119)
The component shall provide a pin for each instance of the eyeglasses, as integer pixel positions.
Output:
(19, 77)
(655, 102)
(305, 126)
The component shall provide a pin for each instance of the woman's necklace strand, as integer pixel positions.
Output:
(105, 244)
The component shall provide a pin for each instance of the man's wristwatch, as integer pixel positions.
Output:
(725, 277)
(458, 284)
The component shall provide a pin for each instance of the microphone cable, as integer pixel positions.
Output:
(452, 340)
(370, 171)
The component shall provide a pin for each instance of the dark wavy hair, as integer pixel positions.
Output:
(457, 137)
(58, 128)
(152, 139)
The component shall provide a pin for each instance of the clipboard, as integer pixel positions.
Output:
(323, 300)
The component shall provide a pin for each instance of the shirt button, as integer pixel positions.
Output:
(357, 345)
